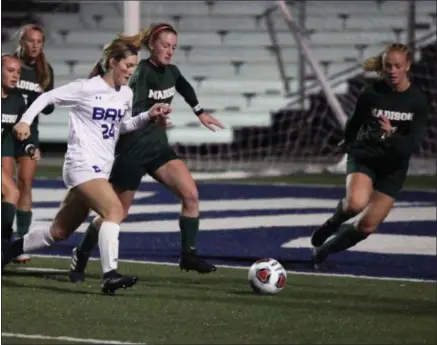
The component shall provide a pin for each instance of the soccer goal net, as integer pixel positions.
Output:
(302, 134)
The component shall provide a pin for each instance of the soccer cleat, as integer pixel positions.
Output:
(321, 234)
(192, 262)
(116, 282)
(318, 259)
(77, 267)
(22, 259)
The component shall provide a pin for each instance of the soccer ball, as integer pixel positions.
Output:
(267, 276)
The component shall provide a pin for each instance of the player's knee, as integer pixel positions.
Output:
(355, 204)
(12, 194)
(190, 198)
(114, 213)
(25, 186)
(366, 225)
(60, 233)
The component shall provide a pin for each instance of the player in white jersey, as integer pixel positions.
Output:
(100, 110)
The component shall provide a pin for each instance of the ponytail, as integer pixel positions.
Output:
(143, 38)
(97, 70)
(373, 64)
(376, 63)
(139, 40)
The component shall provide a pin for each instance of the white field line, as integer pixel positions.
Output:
(66, 339)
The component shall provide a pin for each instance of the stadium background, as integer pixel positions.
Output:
(246, 66)
(280, 141)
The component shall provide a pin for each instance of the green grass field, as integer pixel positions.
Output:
(172, 307)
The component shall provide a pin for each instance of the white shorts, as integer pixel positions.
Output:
(76, 174)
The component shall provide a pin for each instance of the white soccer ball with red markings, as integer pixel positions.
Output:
(267, 276)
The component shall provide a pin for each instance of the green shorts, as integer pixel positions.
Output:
(11, 147)
(388, 178)
(126, 173)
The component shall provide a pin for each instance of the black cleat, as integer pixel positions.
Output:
(318, 259)
(77, 267)
(118, 281)
(321, 234)
(192, 262)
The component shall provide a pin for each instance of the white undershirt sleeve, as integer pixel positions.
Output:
(130, 124)
(67, 95)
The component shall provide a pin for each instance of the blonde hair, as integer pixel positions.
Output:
(146, 37)
(376, 63)
(43, 73)
(116, 49)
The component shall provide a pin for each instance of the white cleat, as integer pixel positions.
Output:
(22, 259)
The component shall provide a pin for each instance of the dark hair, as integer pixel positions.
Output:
(146, 37)
(43, 73)
(117, 49)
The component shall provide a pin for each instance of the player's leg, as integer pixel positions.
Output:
(71, 214)
(100, 197)
(173, 173)
(351, 234)
(10, 196)
(26, 169)
(10, 193)
(125, 179)
(359, 188)
(388, 183)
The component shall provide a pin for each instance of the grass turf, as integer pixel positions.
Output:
(172, 307)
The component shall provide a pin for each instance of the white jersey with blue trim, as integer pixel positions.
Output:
(97, 111)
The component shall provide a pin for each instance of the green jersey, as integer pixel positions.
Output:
(30, 89)
(408, 115)
(151, 84)
(13, 107)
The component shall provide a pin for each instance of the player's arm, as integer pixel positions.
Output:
(405, 145)
(132, 123)
(28, 144)
(184, 88)
(67, 95)
(353, 123)
(50, 108)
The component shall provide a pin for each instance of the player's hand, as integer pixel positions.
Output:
(209, 121)
(21, 131)
(36, 155)
(386, 127)
(158, 110)
(159, 113)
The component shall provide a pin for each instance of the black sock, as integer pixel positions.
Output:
(8, 215)
(13, 250)
(89, 240)
(340, 216)
(189, 227)
(346, 237)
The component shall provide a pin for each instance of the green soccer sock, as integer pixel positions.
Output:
(189, 228)
(346, 237)
(8, 215)
(89, 240)
(24, 219)
(340, 216)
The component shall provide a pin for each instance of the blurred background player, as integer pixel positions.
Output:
(13, 107)
(101, 109)
(36, 77)
(388, 125)
(147, 151)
